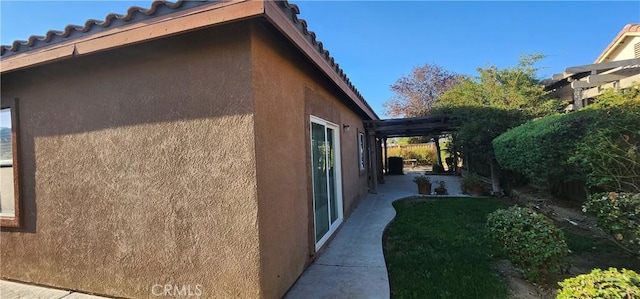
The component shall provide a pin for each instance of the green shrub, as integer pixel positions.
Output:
(476, 127)
(422, 179)
(423, 154)
(540, 149)
(601, 284)
(471, 183)
(618, 214)
(610, 151)
(529, 239)
(599, 144)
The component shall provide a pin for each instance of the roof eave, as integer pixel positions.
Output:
(628, 30)
(162, 26)
(280, 13)
(306, 42)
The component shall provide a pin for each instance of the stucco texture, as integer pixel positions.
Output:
(288, 90)
(138, 169)
(181, 161)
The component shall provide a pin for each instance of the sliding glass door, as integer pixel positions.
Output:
(326, 176)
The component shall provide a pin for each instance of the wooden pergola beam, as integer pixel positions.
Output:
(604, 78)
(602, 66)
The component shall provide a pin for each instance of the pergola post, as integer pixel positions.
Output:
(374, 163)
(379, 161)
(438, 158)
(577, 98)
(495, 179)
(386, 159)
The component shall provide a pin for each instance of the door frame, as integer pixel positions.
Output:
(338, 180)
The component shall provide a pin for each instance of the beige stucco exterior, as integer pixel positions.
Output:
(624, 48)
(184, 161)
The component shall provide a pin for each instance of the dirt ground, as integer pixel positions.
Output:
(568, 216)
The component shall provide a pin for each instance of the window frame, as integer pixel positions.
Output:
(362, 146)
(14, 221)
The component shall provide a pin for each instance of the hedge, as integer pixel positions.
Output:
(540, 149)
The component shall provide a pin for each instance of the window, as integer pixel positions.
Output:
(361, 141)
(9, 187)
(636, 50)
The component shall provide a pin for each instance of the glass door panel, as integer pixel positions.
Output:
(333, 204)
(320, 190)
(327, 188)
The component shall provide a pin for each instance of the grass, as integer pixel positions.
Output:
(580, 243)
(439, 249)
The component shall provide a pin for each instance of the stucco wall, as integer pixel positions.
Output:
(138, 169)
(625, 51)
(287, 91)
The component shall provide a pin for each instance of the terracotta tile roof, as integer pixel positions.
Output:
(134, 14)
(292, 11)
(159, 8)
(628, 28)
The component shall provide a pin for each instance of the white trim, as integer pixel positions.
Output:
(362, 164)
(338, 180)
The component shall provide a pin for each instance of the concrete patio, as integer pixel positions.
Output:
(353, 264)
(14, 290)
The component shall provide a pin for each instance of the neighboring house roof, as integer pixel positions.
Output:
(629, 30)
(165, 18)
(602, 70)
(590, 75)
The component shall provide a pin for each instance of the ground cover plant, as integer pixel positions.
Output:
(598, 147)
(439, 249)
(612, 283)
(531, 241)
(618, 214)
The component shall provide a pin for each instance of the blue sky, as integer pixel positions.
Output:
(376, 43)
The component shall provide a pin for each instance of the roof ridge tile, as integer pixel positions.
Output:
(35, 41)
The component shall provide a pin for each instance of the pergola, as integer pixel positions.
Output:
(379, 130)
(586, 76)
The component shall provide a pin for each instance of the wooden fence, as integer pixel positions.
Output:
(422, 153)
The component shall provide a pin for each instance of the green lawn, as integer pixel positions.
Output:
(438, 249)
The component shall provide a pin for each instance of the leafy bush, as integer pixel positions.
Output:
(476, 127)
(490, 103)
(610, 151)
(423, 154)
(599, 144)
(471, 182)
(601, 284)
(540, 149)
(529, 239)
(618, 214)
(421, 179)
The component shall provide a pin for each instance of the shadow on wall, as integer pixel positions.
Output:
(174, 81)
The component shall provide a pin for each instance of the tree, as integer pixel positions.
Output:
(513, 88)
(491, 103)
(610, 151)
(415, 94)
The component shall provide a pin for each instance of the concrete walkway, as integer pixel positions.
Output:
(14, 290)
(353, 264)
